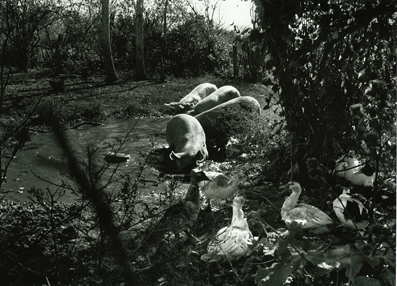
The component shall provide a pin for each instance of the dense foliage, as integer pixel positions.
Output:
(333, 70)
(65, 38)
(325, 58)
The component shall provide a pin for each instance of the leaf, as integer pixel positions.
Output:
(338, 255)
(390, 258)
(274, 275)
(366, 281)
(283, 250)
(269, 251)
(345, 257)
(389, 276)
(352, 268)
(315, 257)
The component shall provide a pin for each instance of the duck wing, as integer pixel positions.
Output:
(229, 243)
(222, 186)
(351, 212)
(213, 188)
(307, 216)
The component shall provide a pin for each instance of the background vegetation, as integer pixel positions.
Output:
(323, 71)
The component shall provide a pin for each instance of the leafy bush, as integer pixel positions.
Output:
(37, 241)
(193, 48)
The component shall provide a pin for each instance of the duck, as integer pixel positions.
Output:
(357, 214)
(362, 180)
(347, 166)
(306, 216)
(177, 219)
(221, 186)
(233, 241)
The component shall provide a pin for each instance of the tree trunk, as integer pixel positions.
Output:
(164, 42)
(110, 71)
(235, 62)
(140, 63)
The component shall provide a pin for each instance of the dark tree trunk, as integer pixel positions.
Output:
(140, 62)
(164, 42)
(110, 71)
(235, 62)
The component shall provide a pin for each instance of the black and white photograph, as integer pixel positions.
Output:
(198, 142)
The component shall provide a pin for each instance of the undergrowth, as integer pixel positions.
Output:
(47, 242)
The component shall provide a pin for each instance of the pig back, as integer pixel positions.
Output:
(221, 121)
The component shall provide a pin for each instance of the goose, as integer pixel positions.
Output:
(233, 241)
(307, 216)
(357, 215)
(177, 218)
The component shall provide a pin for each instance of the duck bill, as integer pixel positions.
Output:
(211, 175)
(284, 189)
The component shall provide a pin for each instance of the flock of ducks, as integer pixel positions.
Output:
(236, 240)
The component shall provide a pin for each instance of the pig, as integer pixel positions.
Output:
(219, 121)
(196, 95)
(187, 141)
(223, 94)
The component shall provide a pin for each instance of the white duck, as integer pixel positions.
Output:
(350, 211)
(233, 241)
(362, 180)
(347, 166)
(307, 216)
(221, 186)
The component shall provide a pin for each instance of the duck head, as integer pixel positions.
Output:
(295, 187)
(238, 201)
(197, 175)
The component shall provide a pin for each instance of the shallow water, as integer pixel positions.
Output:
(41, 162)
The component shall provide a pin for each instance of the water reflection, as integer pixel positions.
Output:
(41, 161)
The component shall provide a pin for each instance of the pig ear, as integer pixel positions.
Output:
(174, 156)
(186, 107)
(171, 105)
(180, 108)
(200, 158)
